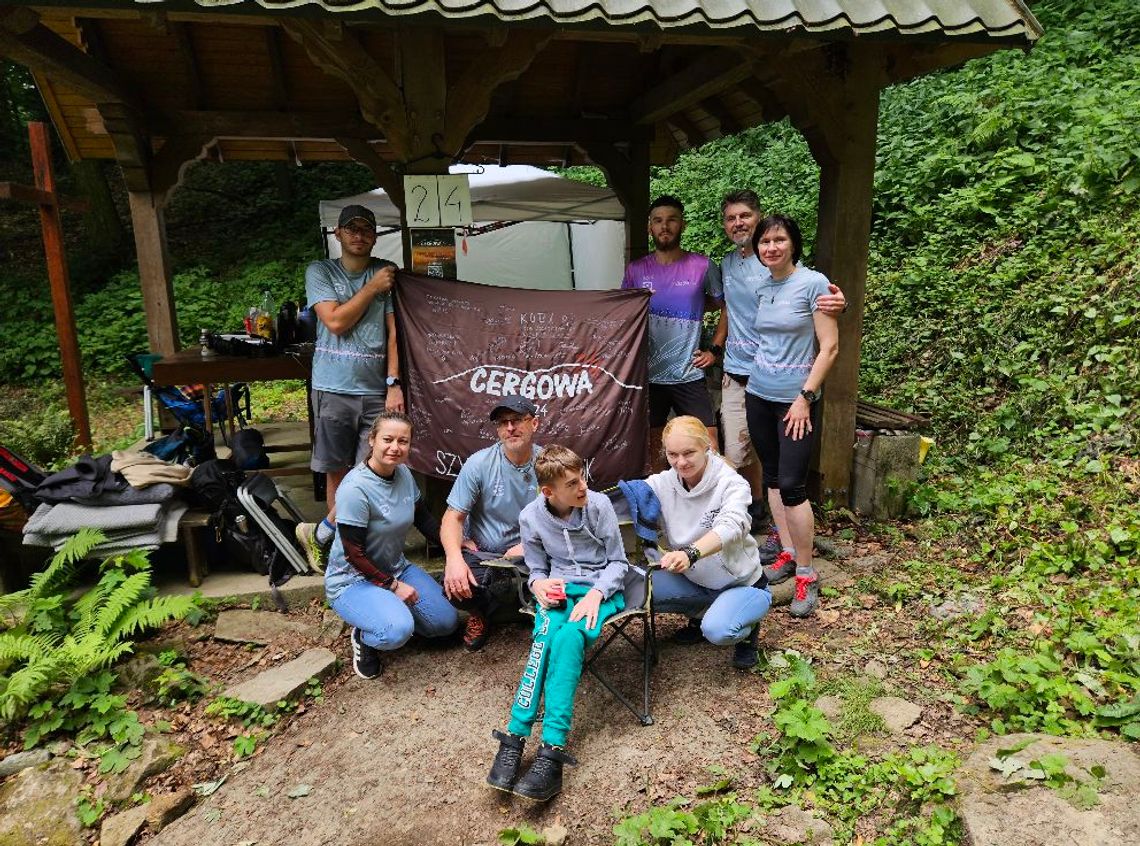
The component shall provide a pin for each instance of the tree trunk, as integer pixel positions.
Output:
(104, 232)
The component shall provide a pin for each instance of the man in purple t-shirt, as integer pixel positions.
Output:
(684, 286)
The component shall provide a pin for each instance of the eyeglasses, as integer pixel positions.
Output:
(504, 422)
(362, 231)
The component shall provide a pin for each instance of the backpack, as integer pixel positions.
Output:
(236, 535)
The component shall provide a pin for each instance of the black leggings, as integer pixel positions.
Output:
(785, 461)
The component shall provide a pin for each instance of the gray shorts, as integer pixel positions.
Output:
(341, 423)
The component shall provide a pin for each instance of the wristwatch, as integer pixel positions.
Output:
(810, 396)
(393, 381)
(693, 553)
(716, 349)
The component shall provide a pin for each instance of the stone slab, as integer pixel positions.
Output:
(897, 714)
(37, 807)
(158, 755)
(22, 760)
(261, 627)
(284, 682)
(120, 829)
(793, 825)
(1000, 811)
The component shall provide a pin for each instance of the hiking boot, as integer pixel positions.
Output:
(782, 570)
(807, 594)
(543, 780)
(690, 634)
(316, 554)
(771, 548)
(505, 769)
(365, 658)
(746, 653)
(475, 633)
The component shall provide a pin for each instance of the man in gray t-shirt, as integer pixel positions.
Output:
(482, 517)
(356, 372)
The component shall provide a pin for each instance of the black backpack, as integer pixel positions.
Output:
(236, 536)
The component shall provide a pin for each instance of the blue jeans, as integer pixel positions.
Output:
(729, 613)
(386, 622)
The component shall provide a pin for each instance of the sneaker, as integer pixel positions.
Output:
(475, 633)
(771, 548)
(807, 594)
(365, 658)
(505, 769)
(315, 554)
(746, 653)
(543, 781)
(782, 569)
(690, 634)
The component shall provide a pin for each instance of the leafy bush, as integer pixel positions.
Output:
(53, 642)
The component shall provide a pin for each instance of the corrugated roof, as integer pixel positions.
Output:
(1000, 19)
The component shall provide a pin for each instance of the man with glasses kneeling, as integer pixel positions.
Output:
(482, 517)
(356, 371)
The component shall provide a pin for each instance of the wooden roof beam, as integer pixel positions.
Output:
(469, 97)
(694, 137)
(711, 73)
(339, 53)
(25, 40)
(720, 112)
(256, 124)
(195, 90)
(364, 153)
(558, 131)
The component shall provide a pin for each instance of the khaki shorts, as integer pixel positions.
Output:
(341, 423)
(734, 423)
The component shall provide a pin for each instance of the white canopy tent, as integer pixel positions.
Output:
(564, 234)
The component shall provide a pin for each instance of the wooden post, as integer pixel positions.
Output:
(845, 192)
(154, 271)
(60, 284)
(628, 176)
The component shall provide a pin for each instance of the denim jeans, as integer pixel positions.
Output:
(386, 622)
(729, 613)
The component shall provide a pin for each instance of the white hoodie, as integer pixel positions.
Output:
(719, 502)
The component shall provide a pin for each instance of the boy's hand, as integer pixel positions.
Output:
(542, 588)
(587, 607)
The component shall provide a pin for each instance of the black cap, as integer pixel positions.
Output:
(513, 402)
(351, 213)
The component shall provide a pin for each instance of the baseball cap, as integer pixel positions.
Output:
(351, 213)
(513, 402)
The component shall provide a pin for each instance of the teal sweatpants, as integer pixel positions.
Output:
(554, 666)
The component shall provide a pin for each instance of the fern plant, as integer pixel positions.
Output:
(51, 643)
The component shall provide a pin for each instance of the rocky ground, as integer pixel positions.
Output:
(402, 759)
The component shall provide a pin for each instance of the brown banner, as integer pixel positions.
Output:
(578, 355)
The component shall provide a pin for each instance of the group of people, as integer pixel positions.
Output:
(777, 336)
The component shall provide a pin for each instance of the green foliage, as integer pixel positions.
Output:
(177, 683)
(90, 811)
(42, 435)
(52, 642)
(663, 825)
(245, 745)
(523, 835)
(249, 714)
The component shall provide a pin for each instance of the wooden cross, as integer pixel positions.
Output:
(44, 195)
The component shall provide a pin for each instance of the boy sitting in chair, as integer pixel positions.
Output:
(573, 549)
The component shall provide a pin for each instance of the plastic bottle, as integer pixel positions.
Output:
(266, 317)
(287, 323)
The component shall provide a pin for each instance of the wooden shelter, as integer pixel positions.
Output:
(405, 86)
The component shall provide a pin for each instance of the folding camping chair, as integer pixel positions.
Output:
(186, 403)
(638, 590)
(258, 495)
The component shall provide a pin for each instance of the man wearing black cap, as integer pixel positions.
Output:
(482, 517)
(356, 372)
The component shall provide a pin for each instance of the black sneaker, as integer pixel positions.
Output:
(365, 658)
(746, 653)
(543, 781)
(690, 634)
(505, 769)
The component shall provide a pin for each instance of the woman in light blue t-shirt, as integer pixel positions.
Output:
(368, 581)
(797, 344)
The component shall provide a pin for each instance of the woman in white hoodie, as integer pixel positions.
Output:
(714, 566)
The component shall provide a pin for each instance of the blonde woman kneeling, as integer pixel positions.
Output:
(714, 567)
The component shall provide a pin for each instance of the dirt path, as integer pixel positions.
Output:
(402, 759)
